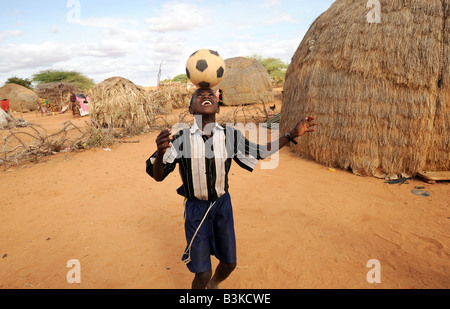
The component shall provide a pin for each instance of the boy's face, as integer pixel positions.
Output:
(204, 103)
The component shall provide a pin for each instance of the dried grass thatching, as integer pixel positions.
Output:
(57, 94)
(21, 99)
(374, 87)
(170, 96)
(118, 103)
(246, 81)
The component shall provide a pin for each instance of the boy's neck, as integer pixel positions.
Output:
(205, 121)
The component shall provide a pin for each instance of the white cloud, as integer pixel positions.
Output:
(54, 29)
(18, 56)
(7, 33)
(111, 49)
(271, 3)
(123, 34)
(282, 17)
(167, 45)
(101, 22)
(133, 54)
(48, 54)
(177, 16)
(281, 49)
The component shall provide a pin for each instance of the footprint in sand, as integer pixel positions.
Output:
(436, 246)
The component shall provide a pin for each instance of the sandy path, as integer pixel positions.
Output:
(298, 226)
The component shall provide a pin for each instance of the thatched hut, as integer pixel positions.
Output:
(118, 103)
(380, 91)
(246, 81)
(170, 96)
(57, 94)
(21, 99)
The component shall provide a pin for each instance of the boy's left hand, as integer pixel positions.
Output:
(303, 127)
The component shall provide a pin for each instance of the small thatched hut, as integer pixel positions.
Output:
(118, 103)
(380, 91)
(21, 99)
(246, 81)
(57, 94)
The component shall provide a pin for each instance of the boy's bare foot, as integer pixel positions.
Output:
(212, 286)
(222, 272)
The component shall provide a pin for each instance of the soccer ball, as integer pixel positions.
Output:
(205, 68)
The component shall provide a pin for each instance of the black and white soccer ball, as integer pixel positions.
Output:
(205, 68)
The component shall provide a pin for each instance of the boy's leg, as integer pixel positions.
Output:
(224, 241)
(200, 252)
(223, 271)
(201, 280)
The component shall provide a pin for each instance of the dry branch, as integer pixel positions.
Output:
(33, 143)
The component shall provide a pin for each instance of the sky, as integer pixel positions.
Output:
(133, 38)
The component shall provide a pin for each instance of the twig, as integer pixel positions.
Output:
(129, 142)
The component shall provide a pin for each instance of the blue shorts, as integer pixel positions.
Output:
(215, 237)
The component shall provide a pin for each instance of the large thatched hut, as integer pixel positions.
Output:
(21, 99)
(119, 103)
(380, 90)
(246, 81)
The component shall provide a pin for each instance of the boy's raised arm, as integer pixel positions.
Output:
(163, 143)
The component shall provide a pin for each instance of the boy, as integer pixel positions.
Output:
(204, 154)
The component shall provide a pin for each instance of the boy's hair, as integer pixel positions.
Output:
(197, 91)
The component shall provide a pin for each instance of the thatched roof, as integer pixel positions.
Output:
(374, 87)
(58, 94)
(21, 99)
(246, 81)
(170, 96)
(117, 102)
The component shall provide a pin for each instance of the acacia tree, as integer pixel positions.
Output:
(276, 68)
(53, 76)
(25, 82)
(182, 78)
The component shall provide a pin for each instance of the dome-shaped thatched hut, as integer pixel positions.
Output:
(21, 99)
(380, 91)
(246, 81)
(118, 103)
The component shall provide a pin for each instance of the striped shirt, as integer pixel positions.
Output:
(204, 162)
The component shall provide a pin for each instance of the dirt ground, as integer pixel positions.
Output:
(300, 225)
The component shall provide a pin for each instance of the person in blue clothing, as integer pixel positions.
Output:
(204, 153)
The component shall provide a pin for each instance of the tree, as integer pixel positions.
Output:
(73, 77)
(25, 82)
(276, 68)
(182, 78)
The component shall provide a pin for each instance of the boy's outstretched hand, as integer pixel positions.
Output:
(303, 127)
